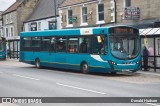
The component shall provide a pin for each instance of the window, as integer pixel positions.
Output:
(100, 12)
(84, 14)
(39, 26)
(61, 44)
(100, 45)
(34, 26)
(45, 44)
(53, 44)
(11, 18)
(70, 17)
(12, 31)
(127, 3)
(36, 42)
(26, 41)
(7, 19)
(73, 45)
(84, 44)
(52, 25)
(6, 32)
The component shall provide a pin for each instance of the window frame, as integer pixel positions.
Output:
(69, 24)
(82, 15)
(98, 18)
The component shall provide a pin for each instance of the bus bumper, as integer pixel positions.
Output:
(127, 67)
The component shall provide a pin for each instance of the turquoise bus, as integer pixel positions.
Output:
(100, 49)
(2, 48)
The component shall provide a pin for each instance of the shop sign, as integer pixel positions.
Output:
(131, 13)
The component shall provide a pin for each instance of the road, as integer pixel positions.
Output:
(23, 80)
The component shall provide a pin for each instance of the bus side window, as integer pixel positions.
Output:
(73, 45)
(45, 43)
(53, 44)
(61, 44)
(84, 44)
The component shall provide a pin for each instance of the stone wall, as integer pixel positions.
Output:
(24, 11)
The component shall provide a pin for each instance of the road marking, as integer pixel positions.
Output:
(152, 104)
(1, 72)
(80, 88)
(26, 77)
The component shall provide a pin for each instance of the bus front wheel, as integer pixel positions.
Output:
(37, 63)
(84, 68)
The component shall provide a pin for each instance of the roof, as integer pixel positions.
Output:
(44, 9)
(14, 6)
(73, 2)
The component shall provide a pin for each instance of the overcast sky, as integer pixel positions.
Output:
(4, 4)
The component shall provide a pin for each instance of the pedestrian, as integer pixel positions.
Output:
(145, 58)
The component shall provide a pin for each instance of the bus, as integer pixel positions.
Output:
(2, 48)
(100, 49)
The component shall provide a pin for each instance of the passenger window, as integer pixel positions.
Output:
(53, 44)
(26, 41)
(61, 44)
(84, 44)
(73, 45)
(36, 41)
(100, 45)
(45, 43)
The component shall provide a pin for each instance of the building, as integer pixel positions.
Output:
(1, 25)
(14, 16)
(85, 13)
(44, 17)
(137, 13)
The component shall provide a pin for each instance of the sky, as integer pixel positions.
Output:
(4, 4)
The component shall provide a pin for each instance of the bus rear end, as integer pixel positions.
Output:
(124, 49)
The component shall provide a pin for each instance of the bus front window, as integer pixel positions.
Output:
(124, 47)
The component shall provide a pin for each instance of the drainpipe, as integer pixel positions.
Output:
(55, 10)
(115, 11)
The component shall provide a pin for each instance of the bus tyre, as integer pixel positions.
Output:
(84, 68)
(37, 63)
(113, 73)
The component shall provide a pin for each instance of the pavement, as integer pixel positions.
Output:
(23, 80)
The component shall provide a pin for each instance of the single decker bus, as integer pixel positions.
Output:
(100, 49)
(2, 48)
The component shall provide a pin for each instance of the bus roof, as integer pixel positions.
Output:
(67, 32)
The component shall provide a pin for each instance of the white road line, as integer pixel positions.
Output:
(80, 88)
(152, 104)
(26, 77)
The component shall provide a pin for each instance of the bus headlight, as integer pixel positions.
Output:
(111, 62)
(138, 62)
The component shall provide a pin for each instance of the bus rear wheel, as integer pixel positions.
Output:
(84, 68)
(37, 63)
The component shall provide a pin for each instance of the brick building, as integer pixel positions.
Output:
(14, 16)
(86, 13)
